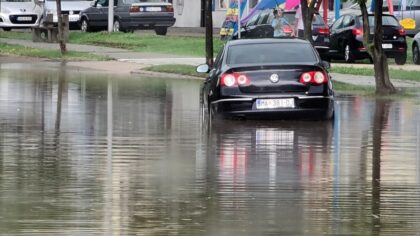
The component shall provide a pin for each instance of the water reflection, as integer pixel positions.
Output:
(81, 154)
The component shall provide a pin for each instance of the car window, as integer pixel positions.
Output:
(386, 20)
(253, 20)
(271, 53)
(263, 18)
(218, 60)
(103, 3)
(346, 21)
(290, 17)
(337, 24)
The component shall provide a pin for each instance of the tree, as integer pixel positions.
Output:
(380, 62)
(209, 32)
(308, 12)
(61, 38)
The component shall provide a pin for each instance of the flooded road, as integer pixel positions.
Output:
(85, 154)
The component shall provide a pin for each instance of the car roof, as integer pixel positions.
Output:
(265, 40)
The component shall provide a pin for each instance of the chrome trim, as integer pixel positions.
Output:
(324, 47)
(267, 97)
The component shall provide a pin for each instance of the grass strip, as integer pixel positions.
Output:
(7, 49)
(393, 73)
(190, 70)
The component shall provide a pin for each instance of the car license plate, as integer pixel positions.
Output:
(154, 9)
(386, 45)
(24, 18)
(275, 103)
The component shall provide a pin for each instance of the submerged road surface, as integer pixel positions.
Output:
(85, 154)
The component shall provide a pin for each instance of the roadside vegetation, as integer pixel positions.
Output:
(394, 74)
(191, 71)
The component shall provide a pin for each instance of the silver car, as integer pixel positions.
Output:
(72, 8)
(19, 13)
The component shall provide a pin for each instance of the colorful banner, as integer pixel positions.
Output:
(230, 25)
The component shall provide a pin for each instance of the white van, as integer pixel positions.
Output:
(406, 9)
(72, 8)
(19, 13)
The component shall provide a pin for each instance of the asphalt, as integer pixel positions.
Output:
(126, 61)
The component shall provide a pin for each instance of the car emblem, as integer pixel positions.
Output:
(274, 78)
(23, 10)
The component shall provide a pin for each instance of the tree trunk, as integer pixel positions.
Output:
(209, 32)
(383, 83)
(60, 26)
(366, 28)
(307, 15)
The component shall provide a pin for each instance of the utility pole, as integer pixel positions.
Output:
(209, 32)
(111, 16)
(239, 19)
(61, 39)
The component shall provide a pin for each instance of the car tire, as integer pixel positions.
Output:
(161, 30)
(416, 54)
(116, 27)
(348, 55)
(84, 26)
(7, 29)
(400, 60)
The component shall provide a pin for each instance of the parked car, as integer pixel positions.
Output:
(259, 26)
(268, 78)
(406, 9)
(415, 47)
(129, 15)
(19, 14)
(72, 8)
(346, 40)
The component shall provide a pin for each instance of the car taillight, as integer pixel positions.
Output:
(324, 31)
(313, 77)
(169, 8)
(402, 32)
(235, 79)
(357, 31)
(134, 9)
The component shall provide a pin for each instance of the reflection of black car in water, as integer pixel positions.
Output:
(346, 40)
(259, 26)
(268, 78)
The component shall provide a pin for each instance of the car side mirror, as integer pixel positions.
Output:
(204, 68)
(326, 65)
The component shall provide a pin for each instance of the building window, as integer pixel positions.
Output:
(223, 4)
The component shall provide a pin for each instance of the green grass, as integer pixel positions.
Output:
(179, 45)
(7, 49)
(190, 70)
(393, 73)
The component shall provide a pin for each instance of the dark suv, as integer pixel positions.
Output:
(259, 26)
(347, 38)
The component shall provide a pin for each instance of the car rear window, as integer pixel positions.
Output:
(386, 20)
(271, 53)
(290, 17)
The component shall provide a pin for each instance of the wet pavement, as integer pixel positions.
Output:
(86, 154)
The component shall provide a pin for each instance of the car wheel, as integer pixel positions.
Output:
(401, 59)
(161, 30)
(117, 26)
(84, 26)
(416, 55)
(7, 29)
(348, 55)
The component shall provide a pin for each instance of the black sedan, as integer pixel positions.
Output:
(129, 15)
(415, 48)
(259, 26)
(346, 40)
(268, 78)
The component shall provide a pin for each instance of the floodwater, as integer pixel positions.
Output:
(86, 154)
